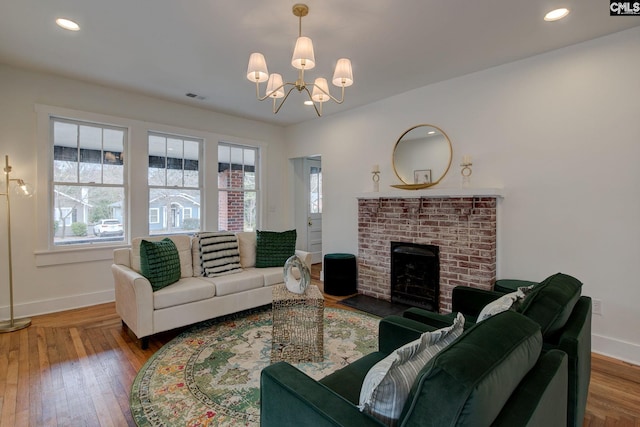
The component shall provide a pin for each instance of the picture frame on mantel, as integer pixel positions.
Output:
(422, 176)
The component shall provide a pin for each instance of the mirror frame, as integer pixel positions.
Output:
(406, 186)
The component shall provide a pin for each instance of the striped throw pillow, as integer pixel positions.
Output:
(219, 253)
(386, 386)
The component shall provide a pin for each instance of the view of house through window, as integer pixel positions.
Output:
(237, 187)
(174, 184)
(88, 191)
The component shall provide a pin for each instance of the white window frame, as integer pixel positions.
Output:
(136, 154)
(199, 187)
(156, 212)
(257, 172)
(83, 183)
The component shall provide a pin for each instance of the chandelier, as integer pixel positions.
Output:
(303, 59)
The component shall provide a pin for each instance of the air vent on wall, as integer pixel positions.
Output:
(195, 95)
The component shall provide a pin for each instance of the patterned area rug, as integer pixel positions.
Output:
(210, 375)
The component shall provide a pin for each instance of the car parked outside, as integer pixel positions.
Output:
(108, 227)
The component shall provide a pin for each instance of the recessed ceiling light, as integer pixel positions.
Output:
(67, 24)
(556, 14)
(308, 102)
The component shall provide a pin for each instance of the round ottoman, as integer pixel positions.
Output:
(340, 274)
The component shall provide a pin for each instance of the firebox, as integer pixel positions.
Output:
(415, 275)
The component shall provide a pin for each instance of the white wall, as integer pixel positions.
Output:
(559, 131)
(59, 287)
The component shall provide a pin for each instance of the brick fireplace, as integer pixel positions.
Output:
(463, 228)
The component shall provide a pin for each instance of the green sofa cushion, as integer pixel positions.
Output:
(274, 248)
(551, 302)
(346, 381)
(159, 263)
(472, 379)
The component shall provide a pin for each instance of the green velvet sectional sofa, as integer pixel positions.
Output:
(494, 374)
(557, 306)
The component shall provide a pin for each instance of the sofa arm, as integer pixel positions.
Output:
(470, 301)
(134, 299)
(290, 398)
(575, 341)
(305, 256)
(540, 398)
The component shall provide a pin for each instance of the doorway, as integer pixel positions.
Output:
(313, 190)
(308, 204)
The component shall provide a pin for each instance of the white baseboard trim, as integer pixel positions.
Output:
(55, 305)
(618, 349)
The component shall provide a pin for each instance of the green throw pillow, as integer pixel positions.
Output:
(273, 248)
(159, 262)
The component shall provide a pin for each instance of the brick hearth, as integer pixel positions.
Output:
(464, 228)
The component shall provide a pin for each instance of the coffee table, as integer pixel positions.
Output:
(298, 332)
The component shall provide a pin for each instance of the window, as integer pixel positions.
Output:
(237, 187)
(174, 184)
(315, 190)
(88, 182)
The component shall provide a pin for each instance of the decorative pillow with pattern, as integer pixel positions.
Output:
(386, 386)
(159, 263)
(506, 302)
(274, 248)
(219, 253)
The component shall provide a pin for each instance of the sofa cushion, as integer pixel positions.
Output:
(238, 282)
(274, 248)
(182, 242)
(469, 382)
(346, 381)
(247, 248)
(387, 384)
(159, 262)
(551, 302)
(272, 275)
(187, 290)
(219, 253)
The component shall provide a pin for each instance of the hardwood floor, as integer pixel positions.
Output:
(76, 368)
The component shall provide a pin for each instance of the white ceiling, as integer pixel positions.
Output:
(166, 48)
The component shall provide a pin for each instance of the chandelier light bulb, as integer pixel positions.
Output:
(275, 89)
(303, 57)
(257, 69)
(343, 75)
(320, 85)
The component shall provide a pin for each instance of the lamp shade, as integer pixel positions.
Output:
(303, 57)
(257, 69)
(274, 86)
(343, 75)
(319, 85)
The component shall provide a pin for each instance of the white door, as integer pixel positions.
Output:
(313, 184)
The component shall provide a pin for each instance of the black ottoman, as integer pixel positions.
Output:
(340, 274)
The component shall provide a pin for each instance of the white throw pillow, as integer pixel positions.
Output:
(503, 303)
(387, 384)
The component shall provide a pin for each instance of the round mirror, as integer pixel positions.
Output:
(421, 157)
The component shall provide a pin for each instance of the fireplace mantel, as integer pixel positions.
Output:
(434, 192)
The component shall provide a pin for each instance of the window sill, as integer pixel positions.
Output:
(75, 255)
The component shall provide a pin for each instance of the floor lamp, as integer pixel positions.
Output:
(23, 189)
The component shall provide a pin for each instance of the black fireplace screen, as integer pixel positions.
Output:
(415, 275)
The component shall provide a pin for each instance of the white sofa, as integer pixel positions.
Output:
(194, 297)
